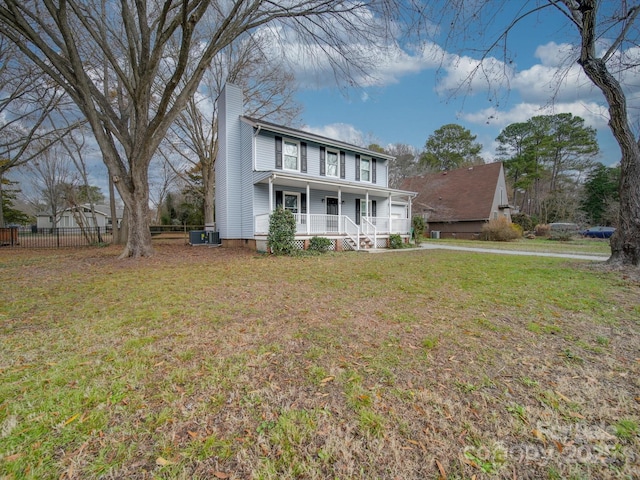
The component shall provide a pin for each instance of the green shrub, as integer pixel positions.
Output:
(500, 230)
(524, 220)
(418, 224)
(319, 244)
(395, 241)
(282, 232)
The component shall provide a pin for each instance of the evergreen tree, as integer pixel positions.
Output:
(600, 192)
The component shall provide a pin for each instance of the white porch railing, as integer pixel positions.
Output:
(401, 225)
(320, 224)
(369, 229)
(352, 231)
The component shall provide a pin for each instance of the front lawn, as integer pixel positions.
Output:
(213, 363)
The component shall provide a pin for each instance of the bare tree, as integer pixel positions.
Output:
(75, 146)
(406, 163)
(51, 172)
(268, 88)
(598, 24)
(135, 46)
(27, 104)
(161, 183)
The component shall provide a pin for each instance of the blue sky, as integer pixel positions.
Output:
(410, 97)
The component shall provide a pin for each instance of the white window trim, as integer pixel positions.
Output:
(326, 162)
(292, 194)
(365, 159)
(284, 161)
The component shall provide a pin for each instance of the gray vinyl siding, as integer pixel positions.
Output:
(228, 171)
(246, 200)
(261, 199)
(265, 159)
(265, 151)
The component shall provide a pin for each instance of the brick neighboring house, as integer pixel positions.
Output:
(457, 203)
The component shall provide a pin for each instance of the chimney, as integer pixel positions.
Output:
(228, 164)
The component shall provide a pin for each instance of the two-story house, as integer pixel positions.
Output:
(334, 189)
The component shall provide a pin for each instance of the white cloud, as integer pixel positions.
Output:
(339, 131)
(469, 76)
(594, 114)
(556, 55)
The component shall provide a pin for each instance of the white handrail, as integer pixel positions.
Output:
(349, 227)
(367, 227)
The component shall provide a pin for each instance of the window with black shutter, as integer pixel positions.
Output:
(342, 165)
(357, 167)
(279, 153)
(279, 197)
(322, 164)
(303, 157)
(357, 211)
(373, 170)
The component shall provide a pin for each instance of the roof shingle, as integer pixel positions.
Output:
(457, 195)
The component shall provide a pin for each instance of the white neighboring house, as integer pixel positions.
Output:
(67, 218)
(334, 189)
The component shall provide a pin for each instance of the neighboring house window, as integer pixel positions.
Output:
(290, 154)
(365, 169)
(332, 164)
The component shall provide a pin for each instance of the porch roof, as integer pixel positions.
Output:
(301, 181)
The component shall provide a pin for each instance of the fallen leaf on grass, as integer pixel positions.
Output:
(163, 462)
(220, 475)
(539, 435)
(71, 419)
(327, 379)
(443, 474)
(11, 458)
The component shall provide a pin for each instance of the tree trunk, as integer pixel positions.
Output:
(625, 243)
(1, 205)
(209, 189)
(134, 192)
(138, 233)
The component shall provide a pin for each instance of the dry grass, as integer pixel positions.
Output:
(215, 363)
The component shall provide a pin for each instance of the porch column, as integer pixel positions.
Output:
(410, 198)
(307, 209)
(270, 194)
(339, 210)
(390, 217)
(366, 199)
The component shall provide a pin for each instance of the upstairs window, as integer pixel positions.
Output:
(332, 164)
(290, 154)
(365, 169)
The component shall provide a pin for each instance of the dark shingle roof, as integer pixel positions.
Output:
(456, 195)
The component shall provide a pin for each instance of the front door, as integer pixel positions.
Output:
(332, 214)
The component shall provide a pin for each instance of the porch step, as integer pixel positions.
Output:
(364, 243)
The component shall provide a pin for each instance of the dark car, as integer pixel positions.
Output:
(598, 232)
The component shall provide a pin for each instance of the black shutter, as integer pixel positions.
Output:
(357, 167)
(342, 165)
(322, 161)
(279, 154)
(373, 170)
(279, 198)
(373, 208)
(357, 211)
(303, 157)
(303, 201)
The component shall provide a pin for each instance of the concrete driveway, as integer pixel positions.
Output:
(576, 256)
